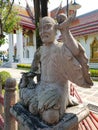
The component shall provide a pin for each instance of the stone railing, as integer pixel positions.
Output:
(9, 100)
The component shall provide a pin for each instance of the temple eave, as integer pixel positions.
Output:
(27, 25)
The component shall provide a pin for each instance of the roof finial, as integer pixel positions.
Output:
(59, 9)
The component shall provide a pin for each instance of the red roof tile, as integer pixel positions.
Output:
(25, 19)
(85, 24)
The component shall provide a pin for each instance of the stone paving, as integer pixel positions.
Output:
(88, 95)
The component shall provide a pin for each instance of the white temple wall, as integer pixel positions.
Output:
(24, 53)
(19, 46)
(86, 42)
(89, 41)
(28, 52)
(11, 47)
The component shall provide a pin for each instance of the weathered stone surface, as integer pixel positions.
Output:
(70, 121)
(59, 63)
(10, 99)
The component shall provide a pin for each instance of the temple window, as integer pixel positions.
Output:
(29, 38)
(94, 51)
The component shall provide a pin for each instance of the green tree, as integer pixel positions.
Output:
(8, 18)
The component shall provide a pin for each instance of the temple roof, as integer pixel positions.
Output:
(85, 24)
(26, 17)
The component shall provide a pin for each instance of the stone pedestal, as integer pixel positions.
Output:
(70, 120)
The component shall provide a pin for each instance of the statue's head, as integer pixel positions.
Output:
(47, 29)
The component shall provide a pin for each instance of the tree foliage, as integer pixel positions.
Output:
(12, 20)
(8, 18)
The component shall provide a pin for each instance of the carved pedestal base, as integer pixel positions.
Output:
(70, 120)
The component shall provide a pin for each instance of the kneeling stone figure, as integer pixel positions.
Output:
(49, 98)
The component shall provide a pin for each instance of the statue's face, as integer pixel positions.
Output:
(47, 30)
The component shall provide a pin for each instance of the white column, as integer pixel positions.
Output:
(11, 48)
(34, 38)
(24, 51)
(19, 45)
(86, 44)
(82, 41)
(34, 41)
(89, 41)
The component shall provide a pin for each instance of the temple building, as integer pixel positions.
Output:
(23, 50)
(84, 29)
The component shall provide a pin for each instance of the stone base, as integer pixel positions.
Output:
(70, 121)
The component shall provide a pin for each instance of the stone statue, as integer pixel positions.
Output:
(60, 62)
(74, 46)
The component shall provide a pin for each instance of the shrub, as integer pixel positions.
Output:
(94, 72)
(24, 66)
(4, 75)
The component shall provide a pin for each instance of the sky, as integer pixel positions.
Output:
(86, 6)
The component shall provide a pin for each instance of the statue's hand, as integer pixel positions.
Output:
(58, 26)
(62, 26)
(61, 18)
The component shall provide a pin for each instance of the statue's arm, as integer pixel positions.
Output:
(67, 37)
